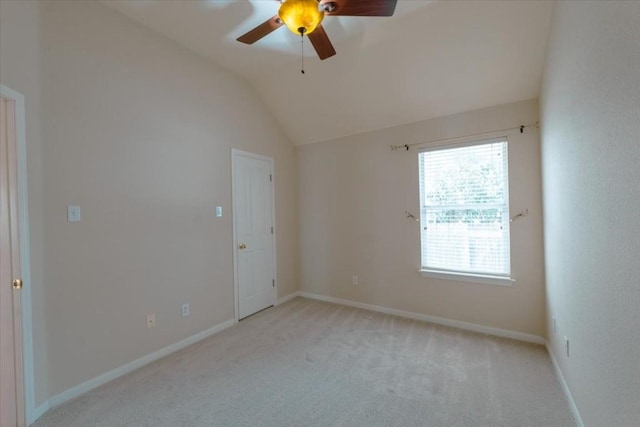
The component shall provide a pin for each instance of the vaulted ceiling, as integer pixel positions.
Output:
(432, 58)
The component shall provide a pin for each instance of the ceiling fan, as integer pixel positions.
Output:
(304, 17)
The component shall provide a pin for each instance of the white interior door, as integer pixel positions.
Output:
(253, 221)
(11, 373)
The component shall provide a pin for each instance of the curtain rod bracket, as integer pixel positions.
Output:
(412, 216)
(522, 214)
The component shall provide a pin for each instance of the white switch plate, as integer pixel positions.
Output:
(354, 279)
(218, 211)
(73, 213)
(185, 310)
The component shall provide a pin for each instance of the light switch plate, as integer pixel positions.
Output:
(73, 213)
(218, 211)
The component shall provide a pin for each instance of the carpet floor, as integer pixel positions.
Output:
(311, 363)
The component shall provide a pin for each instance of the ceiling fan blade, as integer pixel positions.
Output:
(359, 7)
(321, 43)
(261, 30)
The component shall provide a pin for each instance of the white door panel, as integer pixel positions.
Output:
(253, 222)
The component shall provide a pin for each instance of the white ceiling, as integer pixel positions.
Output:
(432, 58)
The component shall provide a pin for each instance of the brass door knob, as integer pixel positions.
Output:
(242, 246)
(17, 284)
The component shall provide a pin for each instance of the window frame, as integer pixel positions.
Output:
(459, 275)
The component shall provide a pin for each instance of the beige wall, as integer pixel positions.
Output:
(353, 193)
(20, 71)
(590, 109)
(138, 133)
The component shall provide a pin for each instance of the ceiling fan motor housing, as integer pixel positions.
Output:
(301, 16)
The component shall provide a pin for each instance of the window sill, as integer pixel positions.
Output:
(468, 277)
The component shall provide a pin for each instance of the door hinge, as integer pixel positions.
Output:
(273, 283)
(270, 177)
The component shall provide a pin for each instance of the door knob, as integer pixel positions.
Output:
(17, 284)
(242, 246)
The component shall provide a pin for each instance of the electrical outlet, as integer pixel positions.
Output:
(566, 342)
(555, 324)
(73, 214)
(354, 279)
(151, 320)
(185, 310)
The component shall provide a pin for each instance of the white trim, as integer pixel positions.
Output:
(25, 257)
(235, 152)
(462, 142)
(287, 298)
(86, 386)
(236, 297)
(506, 333)
(564, 386)
(468, 277)
(40, 410)
(466, 139)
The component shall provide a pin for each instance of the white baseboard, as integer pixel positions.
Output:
(520, 336)
(287, 298)
(86, 386)
(565, 387)
(39, 411)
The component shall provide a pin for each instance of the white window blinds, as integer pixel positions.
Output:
(464, 199)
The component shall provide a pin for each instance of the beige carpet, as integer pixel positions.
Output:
(309, 363)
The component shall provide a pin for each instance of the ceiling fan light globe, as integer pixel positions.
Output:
(300, 16)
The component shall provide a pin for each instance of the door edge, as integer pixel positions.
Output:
(25, 259)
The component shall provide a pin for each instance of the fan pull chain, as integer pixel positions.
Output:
(302, 51)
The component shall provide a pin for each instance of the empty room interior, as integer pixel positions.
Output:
(320, 213)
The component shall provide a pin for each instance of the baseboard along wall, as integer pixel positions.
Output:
(39, 411)
(565, 387)
(89, 385)
(86, 386)
(520, 336)
(288, 298)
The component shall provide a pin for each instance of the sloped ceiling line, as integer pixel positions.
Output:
(432, 58)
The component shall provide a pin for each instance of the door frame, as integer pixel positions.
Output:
(236, 294)
(25, 264)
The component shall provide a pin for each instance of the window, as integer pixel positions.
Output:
(464, 218)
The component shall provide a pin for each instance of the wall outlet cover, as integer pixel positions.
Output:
(73, 214)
